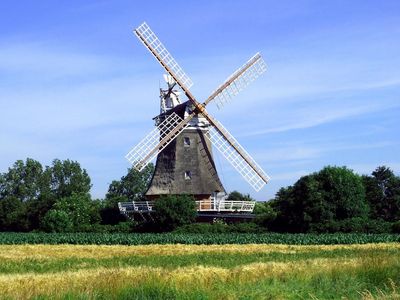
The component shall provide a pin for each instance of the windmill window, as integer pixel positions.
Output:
(186, 141)
(188, 175)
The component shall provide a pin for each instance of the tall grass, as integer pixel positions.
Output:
(200, 272)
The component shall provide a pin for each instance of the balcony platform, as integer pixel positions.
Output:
(206, 209)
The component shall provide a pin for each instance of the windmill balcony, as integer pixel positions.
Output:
(201, 206)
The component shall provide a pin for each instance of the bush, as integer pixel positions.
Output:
(76, 213)
(265, 214)
(57, 221)
(396, 227)
(172, 211)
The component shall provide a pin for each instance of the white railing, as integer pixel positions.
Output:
(135, 206)
(225, 205)
(201, 205)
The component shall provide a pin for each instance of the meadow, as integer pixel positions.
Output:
(178, 271)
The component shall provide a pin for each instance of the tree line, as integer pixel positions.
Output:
(57, 198)
(336, 199)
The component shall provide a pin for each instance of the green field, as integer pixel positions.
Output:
(194, 239)
(251, 271)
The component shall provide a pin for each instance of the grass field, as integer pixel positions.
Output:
(200, 271)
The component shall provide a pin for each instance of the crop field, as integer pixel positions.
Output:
(177, 271)
(194, 239)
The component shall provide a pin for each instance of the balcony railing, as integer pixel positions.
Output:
(225, 205)
(201, 206)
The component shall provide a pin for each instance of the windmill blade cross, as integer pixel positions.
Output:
(241, 78)
(157, 140)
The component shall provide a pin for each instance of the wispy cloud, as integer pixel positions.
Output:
(315, 115)
(45, 59)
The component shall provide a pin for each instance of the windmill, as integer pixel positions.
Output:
(185, 131)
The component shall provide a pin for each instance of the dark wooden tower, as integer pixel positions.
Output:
(186, 165)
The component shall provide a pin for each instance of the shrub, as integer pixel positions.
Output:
(172, 211)
(57, 221)
(396, 227)
(76, 213)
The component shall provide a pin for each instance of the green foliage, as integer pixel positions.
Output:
(20, 187)
(235, 195)
(13, 214)
(265, 214)
(172, 211)
(198, 239)
(220, 227)
(110, 215)
(334, 199)
(67, 178)
(28, 191)
(202, 228)
(57, 221)
(77, 212)
(330, 195)
(130, 187)
(396, 227)
(246, 227)
(383, 194)
(22, 181)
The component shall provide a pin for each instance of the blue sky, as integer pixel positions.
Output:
(76, 83)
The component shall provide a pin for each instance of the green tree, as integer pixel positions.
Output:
(172, 211)
(383, 194)
(317, 201)
(235, 195)
(67, 177)
(61, 179)
(22, 181)
(21, 186)
(130, 187)
(28, 191)
(13, 215)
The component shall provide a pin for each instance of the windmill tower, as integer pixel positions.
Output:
(185, 131)
(186, 165)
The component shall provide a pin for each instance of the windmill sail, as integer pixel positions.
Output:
(241, 78)
(155, 141)
(151, 41)
(237, 156)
